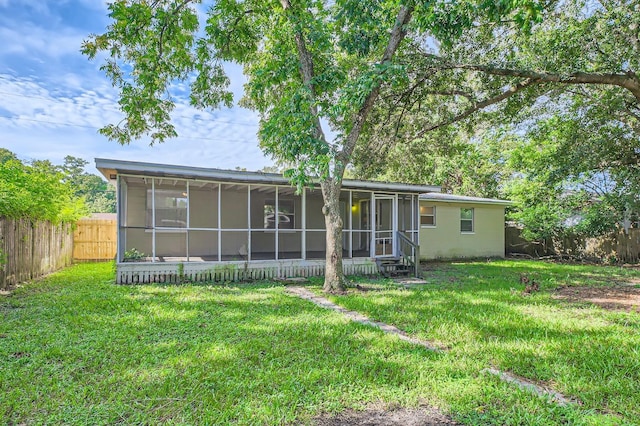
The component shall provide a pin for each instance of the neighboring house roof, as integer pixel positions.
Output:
(103, 216)
(110, 168)
(450, 198)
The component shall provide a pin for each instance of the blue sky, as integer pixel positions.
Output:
(53, 100)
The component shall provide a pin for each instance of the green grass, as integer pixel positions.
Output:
(77, 349)
(478, 311)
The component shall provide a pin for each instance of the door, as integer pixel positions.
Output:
(385, 220)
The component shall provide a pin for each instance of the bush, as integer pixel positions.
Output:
(37, 192)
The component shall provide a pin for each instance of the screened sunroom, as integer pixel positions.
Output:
(209, 220)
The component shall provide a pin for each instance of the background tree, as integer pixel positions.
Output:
(309, 64)
(563, 98)
(36, 191)
(100, 196)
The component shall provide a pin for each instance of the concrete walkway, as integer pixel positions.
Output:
(359, 318)
(520, 382)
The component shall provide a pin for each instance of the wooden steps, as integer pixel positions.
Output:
(393, 267)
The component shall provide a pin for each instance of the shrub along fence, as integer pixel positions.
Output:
(621, 246)
(29, 249)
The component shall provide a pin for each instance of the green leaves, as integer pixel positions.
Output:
(447, 21)
(151, 46)
(37, 191)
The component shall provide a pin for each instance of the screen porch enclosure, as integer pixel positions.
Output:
(166, 219)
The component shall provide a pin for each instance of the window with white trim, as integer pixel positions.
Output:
(427, 216)
(466, 220)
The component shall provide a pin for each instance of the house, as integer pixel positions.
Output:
(455, 226)
(177, 222)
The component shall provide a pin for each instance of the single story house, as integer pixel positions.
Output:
(177, 222)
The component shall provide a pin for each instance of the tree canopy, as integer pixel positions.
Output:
(99, 195)
(549, 117)
(36, 191)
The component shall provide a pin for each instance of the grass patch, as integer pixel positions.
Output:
(479, 311)
(77, 349)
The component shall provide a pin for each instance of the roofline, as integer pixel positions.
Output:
(109, 166)
(469, 200)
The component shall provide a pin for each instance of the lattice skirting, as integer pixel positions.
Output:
(178, 272)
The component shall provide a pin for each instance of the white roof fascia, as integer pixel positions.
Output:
(449, 198)
(134, 167)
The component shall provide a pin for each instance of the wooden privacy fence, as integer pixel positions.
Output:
(95, 239)
(621, 246)
(31, 249)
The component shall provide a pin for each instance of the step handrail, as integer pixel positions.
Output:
(409, 252)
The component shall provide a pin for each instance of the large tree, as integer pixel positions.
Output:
(310, 65)
(564, 95)
(100, 196)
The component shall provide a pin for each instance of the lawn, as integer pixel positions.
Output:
(77, 349)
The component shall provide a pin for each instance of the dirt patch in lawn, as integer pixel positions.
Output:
(615, 298)
(378, 417)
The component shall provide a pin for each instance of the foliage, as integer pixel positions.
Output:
(568, 185)
(100, 196)
(133, 255)
(38, 192)
(568, 89)
(251, 354)
(449, 160)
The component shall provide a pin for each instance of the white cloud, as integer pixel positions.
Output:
(44, 122)
(53, 101)
(39, 6)
(37, 43)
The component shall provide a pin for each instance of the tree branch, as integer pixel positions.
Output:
(627, 80)
(306, 71)
(165, 24)
(481, 105)
(397, 35)
(225, 48)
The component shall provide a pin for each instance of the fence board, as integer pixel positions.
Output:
(95, 239)
(621, 246)
(32, 249)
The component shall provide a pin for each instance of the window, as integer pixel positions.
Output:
(427, 216)
(171, 208)
(466, 220)
(285, 216)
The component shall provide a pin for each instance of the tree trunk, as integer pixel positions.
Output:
(333, 276)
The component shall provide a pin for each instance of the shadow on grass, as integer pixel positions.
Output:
(583, 352)
(100, 353)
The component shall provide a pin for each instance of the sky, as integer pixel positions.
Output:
(53, 99)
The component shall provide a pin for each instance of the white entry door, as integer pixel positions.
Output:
(384, 212)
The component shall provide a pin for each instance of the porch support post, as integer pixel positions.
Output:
(119, 210)
(153, 219)
(350, 212)
(219, 222)
(415, 222)
(372, 226)
(304, 224)
(188, 225)
(277, 221)
(249, 222)
(413, 214)
(394, 225)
